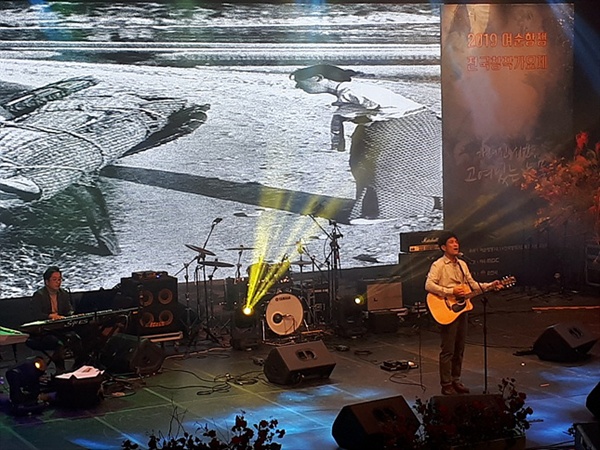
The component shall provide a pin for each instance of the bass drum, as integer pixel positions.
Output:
(284, 314)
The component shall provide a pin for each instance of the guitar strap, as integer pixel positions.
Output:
(465, 279)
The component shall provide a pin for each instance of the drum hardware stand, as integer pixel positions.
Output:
(310, 296)
(201, 261)
(238, 265)
(188, 317)
(333, 268)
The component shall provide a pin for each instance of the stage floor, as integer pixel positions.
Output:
(209, 383)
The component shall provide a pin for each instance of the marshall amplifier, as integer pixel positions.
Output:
(419, 241)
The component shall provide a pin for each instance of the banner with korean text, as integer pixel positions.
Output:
(507, 74)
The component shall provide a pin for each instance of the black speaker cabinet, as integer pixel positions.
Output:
(294, 363)
(593, 401)
(564, 342)
(157, 298)
(126, 354)
(362, 425)
(587, 436)
(413, 269)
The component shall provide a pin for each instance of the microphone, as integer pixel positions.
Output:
(462, 256)
(217, 220)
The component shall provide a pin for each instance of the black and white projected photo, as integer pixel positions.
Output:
(133, 134)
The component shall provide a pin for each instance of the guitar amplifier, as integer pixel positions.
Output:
(384, 294)
(420, 241)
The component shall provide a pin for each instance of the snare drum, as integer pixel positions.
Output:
(284, 314)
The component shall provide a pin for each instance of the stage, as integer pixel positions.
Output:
(204, 381)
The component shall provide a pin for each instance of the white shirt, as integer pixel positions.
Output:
(375, 102)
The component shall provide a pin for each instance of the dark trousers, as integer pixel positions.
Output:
(59, 344)
(453, 336)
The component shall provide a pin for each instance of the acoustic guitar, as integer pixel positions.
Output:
(446, 309)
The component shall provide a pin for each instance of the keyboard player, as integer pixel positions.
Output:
(52, 302)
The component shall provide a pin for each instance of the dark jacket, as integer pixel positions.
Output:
(42, 307)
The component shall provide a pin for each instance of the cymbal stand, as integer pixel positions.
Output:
(193, 335)
(188, 313)
(335, 265)
(238, 266)
(210, 295)
(200, 258)
(207, 317)
(302, 250)
(332, 260)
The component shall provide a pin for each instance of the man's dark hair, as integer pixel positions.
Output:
(444, 236)
(49, 271)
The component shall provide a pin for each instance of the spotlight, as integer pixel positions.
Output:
(247, 311)
(359, 300)
(24, 383)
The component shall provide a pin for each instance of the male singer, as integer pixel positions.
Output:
(449, 276)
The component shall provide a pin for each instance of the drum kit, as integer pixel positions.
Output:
(286, 305)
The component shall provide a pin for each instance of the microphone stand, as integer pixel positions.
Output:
(484, 301)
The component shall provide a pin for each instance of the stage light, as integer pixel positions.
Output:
(359, 300)
(247, 311)
(24, 383)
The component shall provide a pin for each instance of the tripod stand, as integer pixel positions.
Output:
(202, 263)
(332, 261)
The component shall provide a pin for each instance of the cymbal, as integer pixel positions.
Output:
(241, 247)
(200, 250)
(301, 263)
(215, 264)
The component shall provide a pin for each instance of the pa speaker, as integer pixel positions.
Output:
(156, 296)
(294, 363)
(125, 354)
(564, 342)
(361, 426)
(593, 401)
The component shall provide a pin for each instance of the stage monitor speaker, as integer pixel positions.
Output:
(158, 302)
(126, 354)
(360, 426)
(564, 342)
(592, 402)
(291, 364)
(587, 436)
